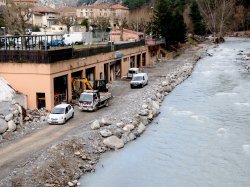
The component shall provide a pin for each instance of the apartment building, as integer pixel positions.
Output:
(103, 10)
(44, 15)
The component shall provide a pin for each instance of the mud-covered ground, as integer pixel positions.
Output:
(54, 155)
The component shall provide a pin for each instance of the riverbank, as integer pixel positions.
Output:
(126, 119)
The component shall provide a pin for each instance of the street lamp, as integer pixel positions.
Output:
(5, 42)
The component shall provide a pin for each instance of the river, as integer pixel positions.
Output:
(201, 138)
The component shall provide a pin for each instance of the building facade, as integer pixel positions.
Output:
(91, 12)
(47, 84)
(44, 16)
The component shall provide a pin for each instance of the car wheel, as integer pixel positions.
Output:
(106, 103)
(72, 115)
(64, 121)
(131, 86)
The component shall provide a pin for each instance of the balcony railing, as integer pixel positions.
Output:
(39, 54)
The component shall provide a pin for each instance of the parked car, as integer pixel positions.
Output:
(60, 114)
(132, 71)
(139, 80)
(56, 43)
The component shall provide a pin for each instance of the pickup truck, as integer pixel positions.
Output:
(91, 100)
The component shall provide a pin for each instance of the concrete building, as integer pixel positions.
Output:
(46, 84)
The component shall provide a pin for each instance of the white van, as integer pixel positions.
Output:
(132, 71)
(139, 80)
(73, 38)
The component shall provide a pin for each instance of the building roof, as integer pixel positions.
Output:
(44, 9)
(66, 11)
(24, 1)
(93, 6)
(118, 6)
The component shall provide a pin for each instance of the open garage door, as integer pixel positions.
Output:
(60, 89)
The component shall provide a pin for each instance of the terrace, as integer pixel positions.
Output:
(34, 49)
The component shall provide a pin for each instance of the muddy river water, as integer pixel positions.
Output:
(201, 138)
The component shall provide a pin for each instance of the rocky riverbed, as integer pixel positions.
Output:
(64, 162)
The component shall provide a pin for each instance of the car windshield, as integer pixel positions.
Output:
(137, 78)
(57, 111)
(86, 97)
(131, 71)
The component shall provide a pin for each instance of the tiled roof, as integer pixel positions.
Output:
(44, 9)
(101, 6)
(118, 6)
(24, 1)
(66, 10)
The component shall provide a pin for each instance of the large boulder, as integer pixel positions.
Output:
(3, 126)
(120, 124)
(140, 128)
(168, 89)
(164, 83)
(144, 119)
(128, 127)
(105, 122)
(113, 142)
(105, 133)
(9, 117)
(156, 105)
(8, 135)
(143, 112)
(128, 136)
(95, 125)
(11, 125)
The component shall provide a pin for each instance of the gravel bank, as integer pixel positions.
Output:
(125, 120)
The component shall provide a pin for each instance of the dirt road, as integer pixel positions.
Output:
(18, 152)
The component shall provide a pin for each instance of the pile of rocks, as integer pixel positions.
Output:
(115, 136)
(16, 119)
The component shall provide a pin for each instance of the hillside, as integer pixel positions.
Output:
(74, 3)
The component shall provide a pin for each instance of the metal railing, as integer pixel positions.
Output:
(31, 49)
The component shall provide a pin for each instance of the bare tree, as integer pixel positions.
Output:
(17, 16)
(69, 21)
(139, 19)
(102, 23)
(122, 23)
(216, 14)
